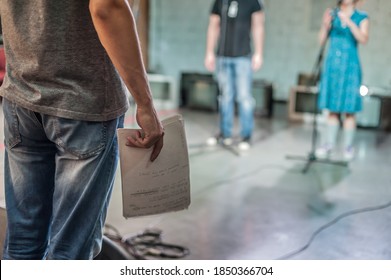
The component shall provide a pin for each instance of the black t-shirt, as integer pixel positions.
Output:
(235, 25)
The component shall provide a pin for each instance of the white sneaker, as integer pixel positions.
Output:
(323, 151)
(244, 145)
(227, 141)
(348, 154)
(211, 141)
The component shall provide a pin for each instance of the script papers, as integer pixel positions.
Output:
(157, 187)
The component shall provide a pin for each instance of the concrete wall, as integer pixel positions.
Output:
(178, 34)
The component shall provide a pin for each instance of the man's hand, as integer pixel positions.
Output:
(256, 62)
(151, 133)
(210, 62)
(115, 25)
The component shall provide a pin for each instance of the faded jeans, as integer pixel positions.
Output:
(234, 76)
(59, 175)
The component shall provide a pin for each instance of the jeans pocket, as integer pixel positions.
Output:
(11, 125)
(82, 139)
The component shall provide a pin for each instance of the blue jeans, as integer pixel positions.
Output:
(59, 174)
(234, 76)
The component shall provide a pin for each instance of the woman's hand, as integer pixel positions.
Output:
(345, 19)
(327, 17)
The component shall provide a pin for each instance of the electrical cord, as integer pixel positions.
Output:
(319, 230)
(329, 224)
(146, 245)
(149, 244)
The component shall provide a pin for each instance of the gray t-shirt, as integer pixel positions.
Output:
(55, 63)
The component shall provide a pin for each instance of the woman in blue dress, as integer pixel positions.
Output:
(341, 76)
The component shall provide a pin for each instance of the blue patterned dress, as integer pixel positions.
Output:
(341, 76)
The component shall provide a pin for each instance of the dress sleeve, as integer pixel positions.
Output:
(362, 16)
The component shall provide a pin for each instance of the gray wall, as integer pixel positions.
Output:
(178, 34)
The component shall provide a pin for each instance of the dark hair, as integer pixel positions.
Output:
(339, 3)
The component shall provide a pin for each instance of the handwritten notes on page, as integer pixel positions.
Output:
(150, 188)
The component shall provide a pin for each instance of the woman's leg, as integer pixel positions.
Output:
(330, 135)
(349, 131)
(332, 129)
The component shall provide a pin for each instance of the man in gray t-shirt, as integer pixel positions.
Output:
(69, 67)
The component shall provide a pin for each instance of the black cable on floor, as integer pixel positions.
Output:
(147, 245)
(313, 236)
(338, 218)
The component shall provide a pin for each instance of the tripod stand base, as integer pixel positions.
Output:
(218, 141)
(311, 158)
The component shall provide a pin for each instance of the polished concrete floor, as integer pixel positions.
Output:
(260, 205)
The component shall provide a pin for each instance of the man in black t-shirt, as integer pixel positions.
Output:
(231, 25)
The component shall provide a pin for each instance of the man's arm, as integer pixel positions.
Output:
(211, 41)
(114, 23)
(258, 34)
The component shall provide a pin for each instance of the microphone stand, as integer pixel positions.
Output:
(314, 79)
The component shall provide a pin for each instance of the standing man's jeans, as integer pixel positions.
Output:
(59, 175)
(234, 76)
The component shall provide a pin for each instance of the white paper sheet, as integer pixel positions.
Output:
(157, 187)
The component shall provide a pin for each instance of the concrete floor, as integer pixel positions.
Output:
(259, 205)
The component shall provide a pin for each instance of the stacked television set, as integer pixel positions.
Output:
(199, 91)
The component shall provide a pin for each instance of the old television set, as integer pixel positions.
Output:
(263, 95)
(376, 108)
(302, 104)
(199, 91)
(163, 91)
(305, 79)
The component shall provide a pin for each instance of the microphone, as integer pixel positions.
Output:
(334, 13)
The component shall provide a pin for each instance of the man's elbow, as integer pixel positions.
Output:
(101, 9)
